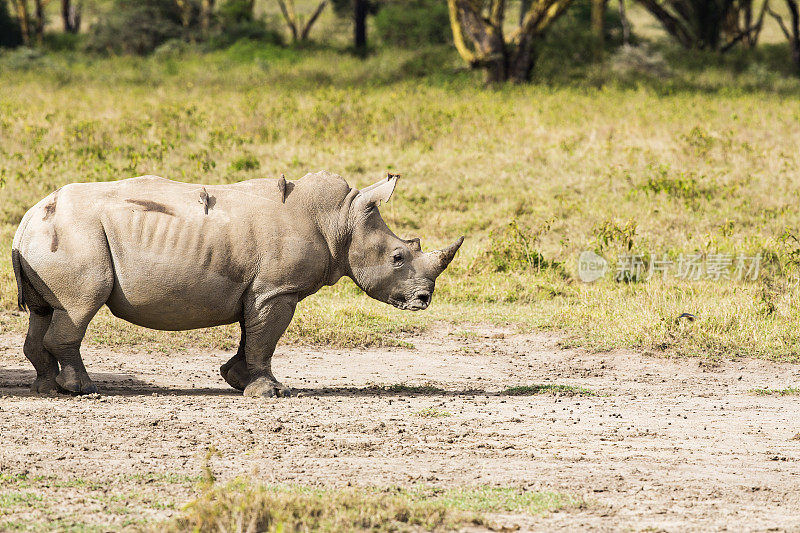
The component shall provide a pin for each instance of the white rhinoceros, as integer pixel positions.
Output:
(174, 256)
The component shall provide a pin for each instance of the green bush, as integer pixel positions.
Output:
(10, 34)
(414, 23)
(235, 22)
(571, 35)
(135, 27)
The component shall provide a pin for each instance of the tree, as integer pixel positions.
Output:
(358, 10)
(792, 30)
(39, 19)
(707, 24)
(71, 15)
(297, 27)
(206, 10)
(21, 7)
(598, 25)
(478, 32)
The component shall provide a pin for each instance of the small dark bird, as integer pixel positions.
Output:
(282, 188)
(688, 316)
(204, 200)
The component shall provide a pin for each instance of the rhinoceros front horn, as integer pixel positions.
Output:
(447, 254)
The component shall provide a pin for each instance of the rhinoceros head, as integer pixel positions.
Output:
(386, 267)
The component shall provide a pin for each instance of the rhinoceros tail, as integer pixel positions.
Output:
(15, 265)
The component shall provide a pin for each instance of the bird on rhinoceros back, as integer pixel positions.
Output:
(175, 256)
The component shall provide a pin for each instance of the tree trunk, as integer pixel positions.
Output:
(792, 33)
(360, 26)
(24, 21)
(39, 22)
(478, 34)
(626, 25)
(524, 6)
(287, 10)
(795, 33)
(522, 61)
(71, 16)
(312, 19)
(598, 27)
(206, 8)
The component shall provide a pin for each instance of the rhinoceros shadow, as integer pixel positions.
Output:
(387, 392)
(17, 382)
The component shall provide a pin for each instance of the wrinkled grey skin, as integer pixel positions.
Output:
(175, 256)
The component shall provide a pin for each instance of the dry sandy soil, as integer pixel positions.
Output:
(669, 444)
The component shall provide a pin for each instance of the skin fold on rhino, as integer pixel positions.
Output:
(175, 256)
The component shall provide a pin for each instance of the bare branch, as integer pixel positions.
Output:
(779, 18)
(312, 19)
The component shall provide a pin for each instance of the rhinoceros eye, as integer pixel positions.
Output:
(397, 259)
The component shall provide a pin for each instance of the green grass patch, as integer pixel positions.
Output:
(13, 499)
(433, 412)
(788, 391)
(555, 390)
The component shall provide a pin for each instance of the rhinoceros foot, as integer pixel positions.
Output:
(237, 375)
(69, 381)
(44, 385)
(266, 388)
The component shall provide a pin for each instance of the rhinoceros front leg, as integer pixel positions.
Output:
(264, 326)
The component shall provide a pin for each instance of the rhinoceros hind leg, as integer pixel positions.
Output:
(267, 388)
(45, 364)
(63, 340)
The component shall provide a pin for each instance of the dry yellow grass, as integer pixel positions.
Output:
(702, 162)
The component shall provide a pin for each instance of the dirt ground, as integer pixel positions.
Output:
(668, 444)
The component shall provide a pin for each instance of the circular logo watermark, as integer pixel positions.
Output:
(591, 266)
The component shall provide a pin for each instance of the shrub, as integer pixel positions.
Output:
(571, 35)
(235, 21)
(414, 23)
(10, 33)
(247, 162)
(512, 248)
(136, 27)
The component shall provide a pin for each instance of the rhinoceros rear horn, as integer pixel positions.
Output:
(447, 254)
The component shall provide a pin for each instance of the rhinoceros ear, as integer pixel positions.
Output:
(378, 192)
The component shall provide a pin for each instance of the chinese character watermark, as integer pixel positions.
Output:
(687, 267)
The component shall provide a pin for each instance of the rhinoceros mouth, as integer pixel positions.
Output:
(401, 302)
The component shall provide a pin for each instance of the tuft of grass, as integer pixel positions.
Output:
(788, 391)
(556, 390)
(432, 412)
(247, 162)
(237, 507)
(240, 505)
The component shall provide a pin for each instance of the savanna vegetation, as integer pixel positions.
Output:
(677, 143)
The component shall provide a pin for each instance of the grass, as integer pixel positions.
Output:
(83, 505)
(242, 506)
(585, 158)
(556, 390)
(788, 391)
